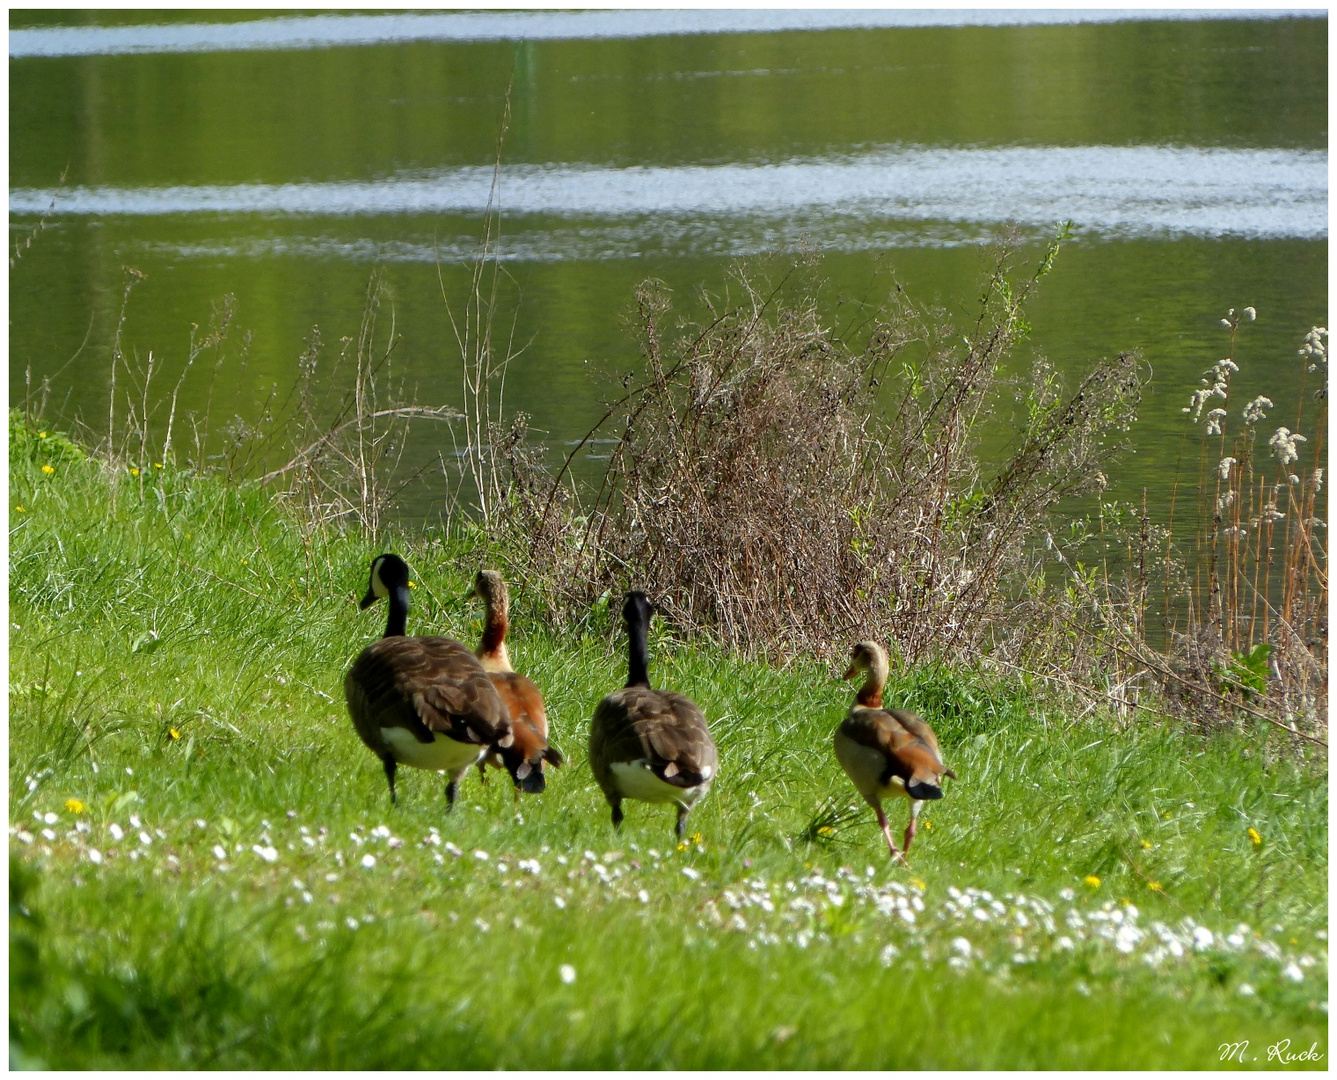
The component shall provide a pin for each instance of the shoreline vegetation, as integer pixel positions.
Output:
(205, 871)
(787, 476)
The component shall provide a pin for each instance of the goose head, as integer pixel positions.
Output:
(388, 573)
(491, 589)
(637, 609)
(871, 658)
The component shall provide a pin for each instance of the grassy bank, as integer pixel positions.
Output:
(206, 870)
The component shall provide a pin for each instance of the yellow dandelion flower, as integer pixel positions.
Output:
(826, 830)
(413, 584)
(74, 806)
(695, 838)
(1254, 838)
(918, 883)
(174, 733)
(1146, 844)
(20, 510)
(157, 464)
(1155, 886)
(41, 434)
(682, 847)
(928, 824)
(134, 471)
(48, 469)
(1092, 880)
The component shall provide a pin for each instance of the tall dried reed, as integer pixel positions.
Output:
(1243, 628)
(1256, 623)
(350, 426)
(338, 435)
(490, 441)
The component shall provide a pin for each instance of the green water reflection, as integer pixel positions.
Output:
(370, 112)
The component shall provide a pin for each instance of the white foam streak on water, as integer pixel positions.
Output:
(593, 242)
(1111, 191)
(323, 31)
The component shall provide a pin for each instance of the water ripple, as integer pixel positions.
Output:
(324, 31)
(1107, 190)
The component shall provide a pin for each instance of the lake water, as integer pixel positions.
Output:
(280, 159)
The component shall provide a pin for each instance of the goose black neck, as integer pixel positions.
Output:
(638, 653)
(396, 625)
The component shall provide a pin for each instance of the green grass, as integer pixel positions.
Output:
(177, 650)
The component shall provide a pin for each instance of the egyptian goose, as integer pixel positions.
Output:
(887, 752)
(524, 758)
(421, 701)
(645, 744)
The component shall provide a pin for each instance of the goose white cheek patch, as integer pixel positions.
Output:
(377, 585)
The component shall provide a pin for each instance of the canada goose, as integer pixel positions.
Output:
(645, 744)
(524, 758)
(421, 701)
(887, 752)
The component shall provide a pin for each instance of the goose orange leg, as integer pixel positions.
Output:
(910, 829)
(885, 826)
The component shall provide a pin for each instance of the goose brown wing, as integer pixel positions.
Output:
(523, 702)
(367, 715)
(613, 735)
(426, 685)
(908, 755)
(916, 727)
(529, 720)
(678, 735)
(925, 734)
(665, 729)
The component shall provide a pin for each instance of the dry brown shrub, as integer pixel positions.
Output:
(785, 489)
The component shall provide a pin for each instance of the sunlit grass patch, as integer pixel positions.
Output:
(206, 870)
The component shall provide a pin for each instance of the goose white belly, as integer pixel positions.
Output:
(864, 766)
(635, 780)
(442, 753)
